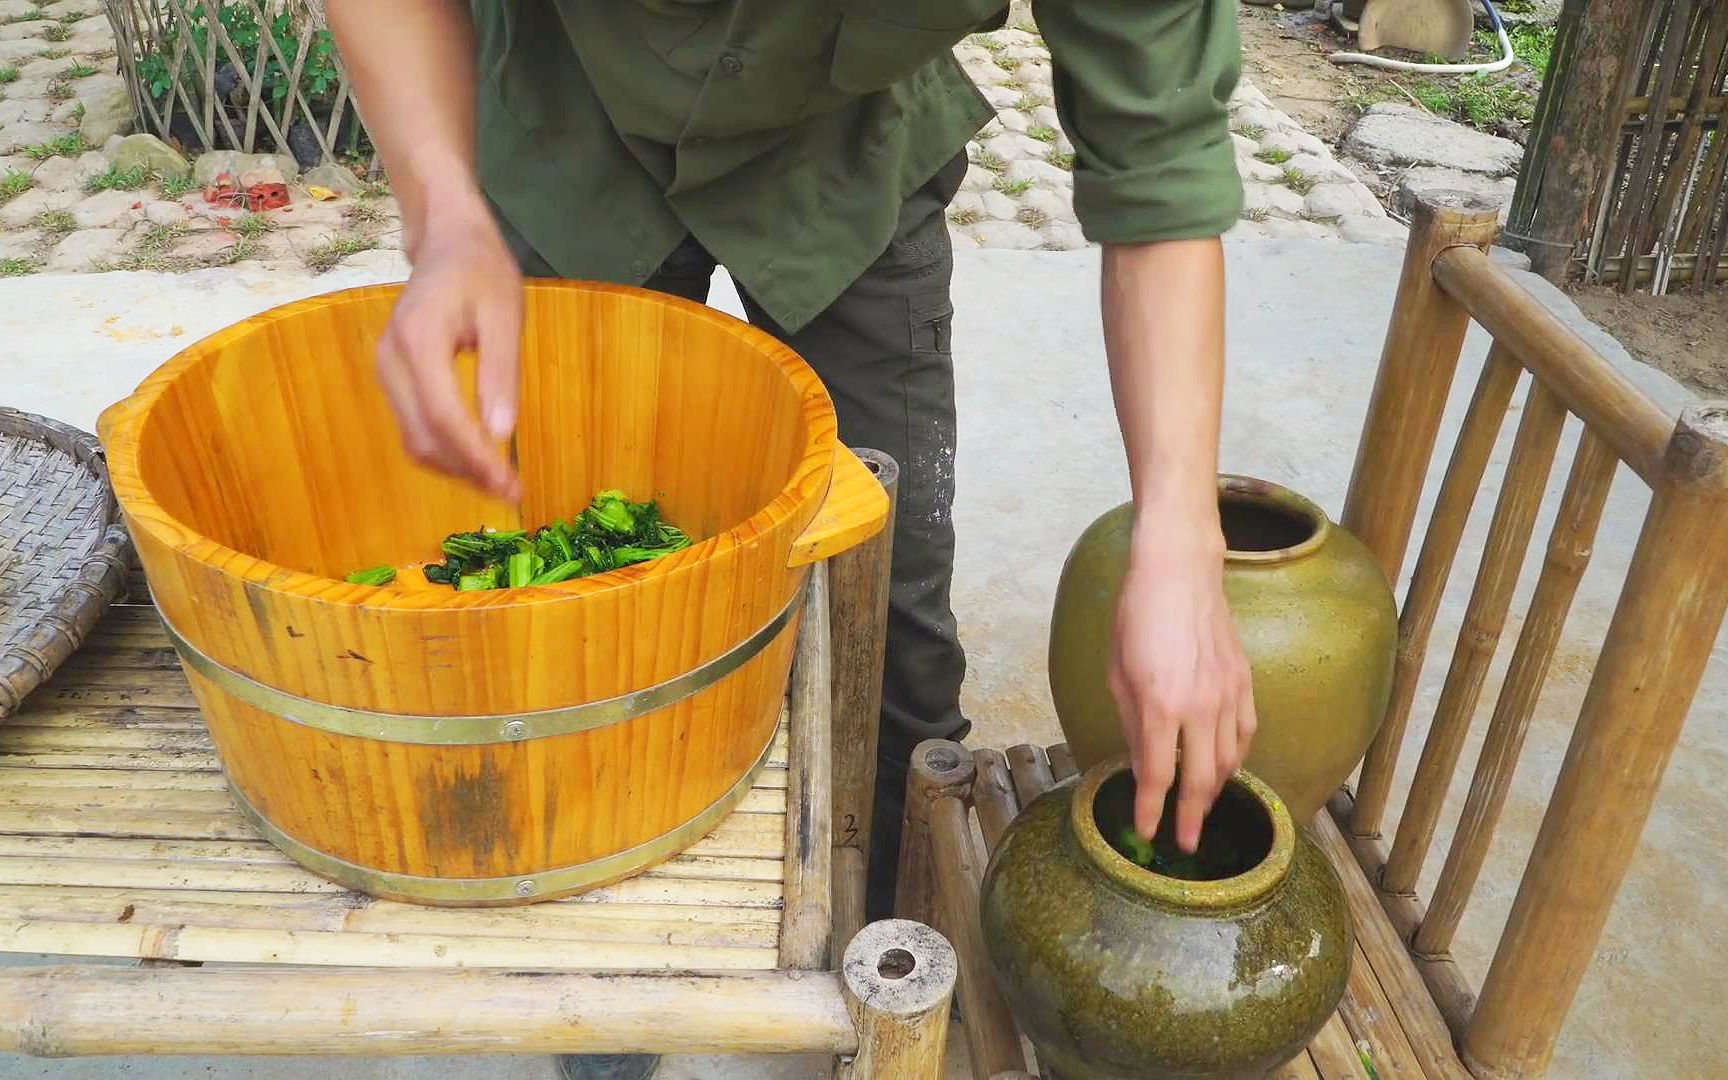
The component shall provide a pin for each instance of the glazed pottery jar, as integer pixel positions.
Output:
(1315, 616)
(1118, 972)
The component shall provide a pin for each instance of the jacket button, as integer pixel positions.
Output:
(731, 65)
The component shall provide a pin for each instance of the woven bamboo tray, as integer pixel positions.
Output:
(63, 552)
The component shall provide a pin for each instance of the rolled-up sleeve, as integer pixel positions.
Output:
(1143, 88)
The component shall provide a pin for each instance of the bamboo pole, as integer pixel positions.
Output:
(1417, 363)
(1030, 771)
(938, 768)
(992, 1041)
(1634, 426)
(1591, 99)
(899, 983)
(102, 1010)
(1484, 618)
(1636, 204)
(1569, 548)
(1458, 489)
(808, 919)
(1652, 659)
(993, 795)
(858, 602)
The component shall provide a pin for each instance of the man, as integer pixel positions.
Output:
(810, 147)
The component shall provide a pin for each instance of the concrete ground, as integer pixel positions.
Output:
(1039, 457)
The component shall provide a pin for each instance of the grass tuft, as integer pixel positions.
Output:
(15, 183)
(336, 248)
(119, 180)
(69, 145)
(1012, 187)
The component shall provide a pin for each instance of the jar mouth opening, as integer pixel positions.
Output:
(1246, 844)
(1266, 522)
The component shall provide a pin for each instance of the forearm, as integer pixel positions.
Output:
(1163, 306)
(412, 65)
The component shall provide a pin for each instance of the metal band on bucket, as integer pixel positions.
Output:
(470, 730)
(475, 892)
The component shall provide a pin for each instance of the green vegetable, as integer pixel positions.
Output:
(378, 575)
(1158, 858)
(610, 532)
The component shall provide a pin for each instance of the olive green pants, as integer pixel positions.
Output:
(883, 350)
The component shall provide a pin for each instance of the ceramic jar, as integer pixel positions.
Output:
(1314, 614)
(1116, 972)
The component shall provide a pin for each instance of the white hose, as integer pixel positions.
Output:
(1390, 64)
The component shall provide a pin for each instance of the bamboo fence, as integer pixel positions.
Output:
(250, 75)
(1657, 215)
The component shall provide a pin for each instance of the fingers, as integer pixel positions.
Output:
(1199, 783)
(1153, 770)
(498, 331)
(460, 439)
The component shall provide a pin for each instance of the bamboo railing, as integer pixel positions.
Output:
(1670, 609)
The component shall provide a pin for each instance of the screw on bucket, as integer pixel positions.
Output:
(515, 729)
(525, 887)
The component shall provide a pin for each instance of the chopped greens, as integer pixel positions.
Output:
(612, 532)
(378, 575)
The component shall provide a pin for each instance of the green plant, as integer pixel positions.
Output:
(78, 112)
(32, 15)
(990, 162)
(364, 213)
(53, 54)
(160, 238)
(15, 183)
(119, 179)
(174, 187)
(1028, 102)
(8, 75)
(78, 71)
(17, 267)
(60, 146)
(1062, 160)
(989, 43)
(1042, 132)
(1479, 100)
(336, 248)
(964, 216)
(318, 74)
(59, 90)
(1533, 46)
(71, 17)
(55, 222)
(374, 189)
(1007, 63)
(1012, 187)
(1298, 181)
(250, 225)
(1251, 131)
(1274, 155)
(57, 32)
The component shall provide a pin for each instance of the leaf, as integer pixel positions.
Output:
(322, 194)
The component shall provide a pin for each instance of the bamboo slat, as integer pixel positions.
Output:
(1439, 548)
(807, 835)
(1335, 1056)
(1031, 772)
(1478, 636)
(1569, 548)
(993, 795)
(1369, 1017)
(1301, 1067)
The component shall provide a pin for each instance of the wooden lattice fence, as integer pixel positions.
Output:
(1657, 216)
(252, 75)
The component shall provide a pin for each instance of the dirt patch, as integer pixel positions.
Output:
(1682, 334)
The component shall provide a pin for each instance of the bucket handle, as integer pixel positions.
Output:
(855, 509)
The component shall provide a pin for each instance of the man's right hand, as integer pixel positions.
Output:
(465, 293)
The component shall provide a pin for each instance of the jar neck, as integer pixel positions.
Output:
(1266, 523)
(1223, 894)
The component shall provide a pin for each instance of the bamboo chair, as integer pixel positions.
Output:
(1408, 1006)
(118, 839)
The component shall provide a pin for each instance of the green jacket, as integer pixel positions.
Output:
(808, 122)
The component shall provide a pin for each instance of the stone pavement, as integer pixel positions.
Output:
(77, 197)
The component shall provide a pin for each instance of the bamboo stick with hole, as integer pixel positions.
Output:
(898, 979)
(1569, 548)
(858, 600)
(1458, 490)
(938, 768)
(1502, 557)
(808, 918)
(1658, 643)
(1423, 342)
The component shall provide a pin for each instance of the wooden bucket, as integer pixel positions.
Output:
(479, 748)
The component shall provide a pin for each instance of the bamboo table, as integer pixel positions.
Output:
(119, 839)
